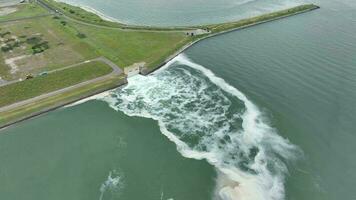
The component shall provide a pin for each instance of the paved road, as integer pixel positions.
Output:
(116, 72)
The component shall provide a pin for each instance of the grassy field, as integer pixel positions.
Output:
(60, 99)
(57, 46)
(24, 10)
(43, 84)
(128, 47)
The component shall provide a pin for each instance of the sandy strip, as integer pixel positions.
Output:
(94, 11)
(11, 63)
(95, 97)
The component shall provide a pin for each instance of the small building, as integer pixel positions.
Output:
(134, 69)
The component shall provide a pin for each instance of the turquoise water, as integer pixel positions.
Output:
(278, 125)
(92, 152)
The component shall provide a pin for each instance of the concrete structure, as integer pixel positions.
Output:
(134, 69)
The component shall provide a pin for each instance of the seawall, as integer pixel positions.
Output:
(146, 71)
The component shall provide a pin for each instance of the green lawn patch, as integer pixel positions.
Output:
(125, 48)
(54, 81)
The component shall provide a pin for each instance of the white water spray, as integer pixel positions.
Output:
(209, 119)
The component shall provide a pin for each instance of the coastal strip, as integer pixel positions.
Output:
(54, 102)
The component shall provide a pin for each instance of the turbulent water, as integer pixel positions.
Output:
(209, 119)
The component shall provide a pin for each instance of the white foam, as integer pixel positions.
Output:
(209, 116)
(114, 183)
(94, 97)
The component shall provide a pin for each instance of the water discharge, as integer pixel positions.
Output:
(209, 119)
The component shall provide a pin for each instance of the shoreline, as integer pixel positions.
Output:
(94, 11)
(147, 71)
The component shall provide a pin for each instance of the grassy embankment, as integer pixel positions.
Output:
(46, 104)
(51, 82)
(216, 28)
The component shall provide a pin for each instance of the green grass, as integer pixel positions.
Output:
(59, 99)
(54, 81)
(125, 48)
(25, 10)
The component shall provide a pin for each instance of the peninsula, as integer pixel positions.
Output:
(53, 53)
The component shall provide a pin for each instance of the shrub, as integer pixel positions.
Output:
(33, 40)
(39, 48)
(81, 35)
(6, 48)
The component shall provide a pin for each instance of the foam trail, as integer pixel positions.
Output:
(209, 119)
(113, 183)
(94, 97)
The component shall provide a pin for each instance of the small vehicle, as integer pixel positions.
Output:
(43, 73)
